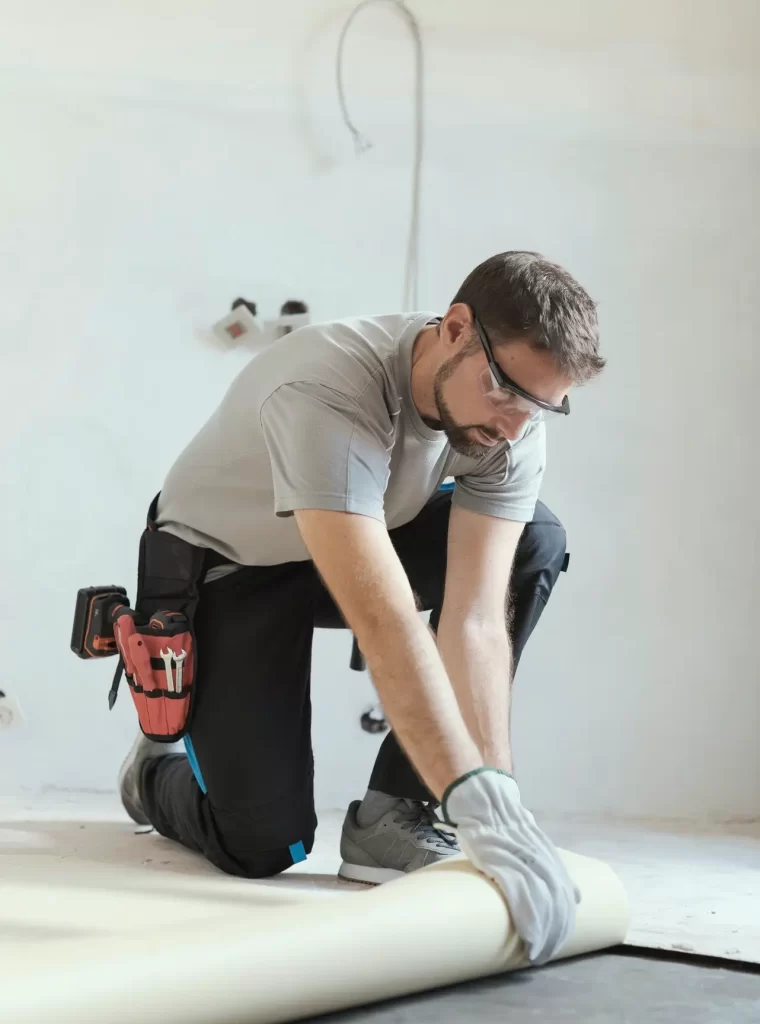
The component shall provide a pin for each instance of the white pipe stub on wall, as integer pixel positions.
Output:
(285, 323)
(10, 712)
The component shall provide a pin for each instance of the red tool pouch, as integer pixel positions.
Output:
(156, 640)
(159, 662)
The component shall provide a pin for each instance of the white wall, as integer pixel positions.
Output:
(160, 158)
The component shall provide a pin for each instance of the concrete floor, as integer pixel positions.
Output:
(613, 987)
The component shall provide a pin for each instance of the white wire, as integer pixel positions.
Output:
(362, 143)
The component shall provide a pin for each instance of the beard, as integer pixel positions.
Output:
(456, 433)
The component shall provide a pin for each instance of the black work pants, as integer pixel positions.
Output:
(251, 728)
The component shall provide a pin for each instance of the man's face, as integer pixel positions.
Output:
(471, 422)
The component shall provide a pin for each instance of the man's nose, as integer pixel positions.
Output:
(511, 425)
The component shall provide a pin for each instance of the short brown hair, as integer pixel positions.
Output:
(520, 295)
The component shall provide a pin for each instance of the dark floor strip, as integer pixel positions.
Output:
(684, 957)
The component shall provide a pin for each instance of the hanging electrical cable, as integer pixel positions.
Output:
(362, 143)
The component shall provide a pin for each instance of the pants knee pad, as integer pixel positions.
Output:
(249, 862)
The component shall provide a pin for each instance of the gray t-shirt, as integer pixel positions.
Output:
(324, 419)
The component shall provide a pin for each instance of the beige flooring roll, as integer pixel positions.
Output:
(435, 927)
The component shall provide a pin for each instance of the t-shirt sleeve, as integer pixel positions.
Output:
(506, 485)
(326, 451)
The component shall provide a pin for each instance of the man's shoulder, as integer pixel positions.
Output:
(383, 330)
(346, 354)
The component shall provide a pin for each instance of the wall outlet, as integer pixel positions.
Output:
(11, 716)
(238, 329)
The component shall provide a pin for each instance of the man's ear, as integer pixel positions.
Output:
(456, 324)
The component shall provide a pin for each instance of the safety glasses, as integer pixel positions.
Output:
(502, 392)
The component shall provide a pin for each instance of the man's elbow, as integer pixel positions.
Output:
(375, 626)
(482, 625)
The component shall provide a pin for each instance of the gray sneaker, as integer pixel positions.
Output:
(129, 776)
(402, 840)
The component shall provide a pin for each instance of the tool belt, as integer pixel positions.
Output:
(155, 640)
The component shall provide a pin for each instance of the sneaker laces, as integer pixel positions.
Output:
(421, 818)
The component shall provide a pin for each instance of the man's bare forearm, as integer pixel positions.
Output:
(360, 567)
(419, 701)
(478, 659)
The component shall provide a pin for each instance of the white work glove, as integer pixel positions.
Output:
(501, 839)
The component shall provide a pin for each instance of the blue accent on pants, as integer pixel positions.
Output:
(297, 852)
(194, 763)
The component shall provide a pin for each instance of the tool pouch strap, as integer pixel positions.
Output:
(156, 639)
(169, 571)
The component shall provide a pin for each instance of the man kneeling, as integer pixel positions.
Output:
(314, 495)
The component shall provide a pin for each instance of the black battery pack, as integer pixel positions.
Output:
(92, 635)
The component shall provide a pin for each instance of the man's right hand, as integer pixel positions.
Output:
(501, 839)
